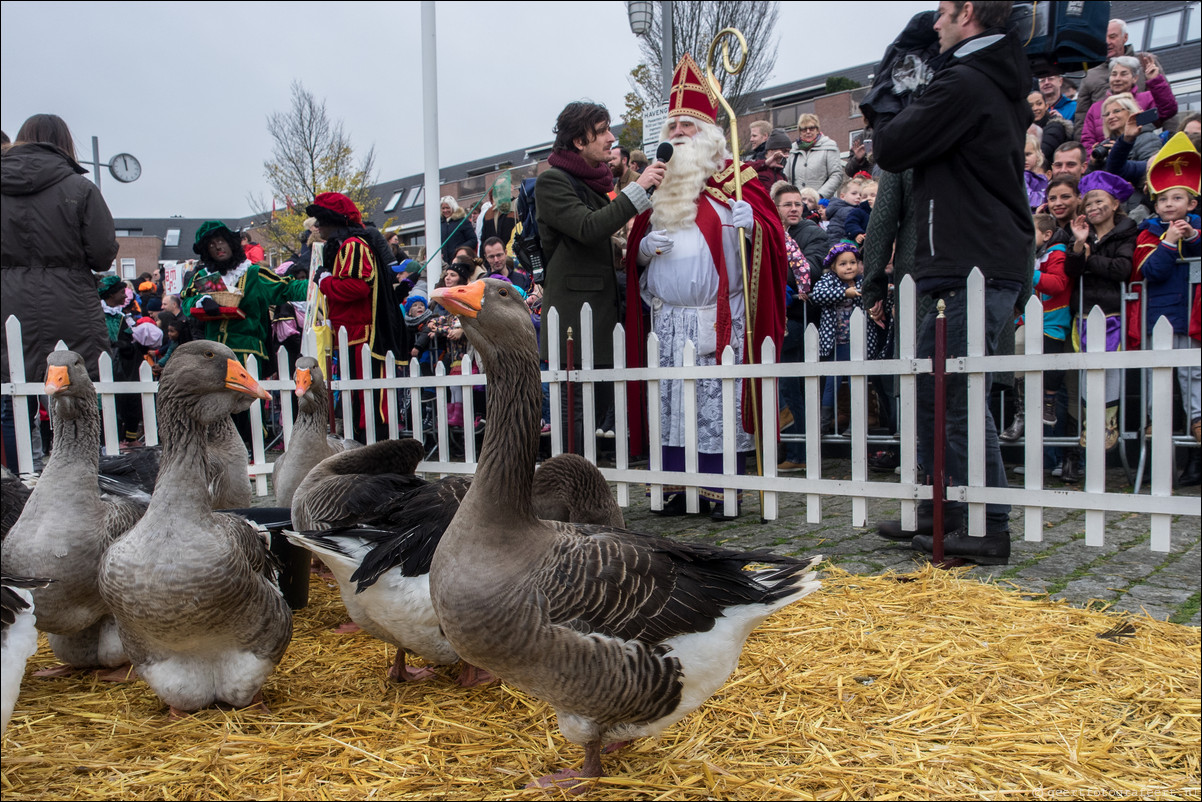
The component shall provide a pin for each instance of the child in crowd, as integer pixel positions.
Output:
(1052, 287)
(838, 210)
(1035, 174)
(856, 227)
(1165, 239)
(813, 205)
(838, 294)
(417, 318)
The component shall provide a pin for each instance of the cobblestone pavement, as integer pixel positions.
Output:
(1124, 574)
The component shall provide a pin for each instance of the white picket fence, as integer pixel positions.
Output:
(1159, 504)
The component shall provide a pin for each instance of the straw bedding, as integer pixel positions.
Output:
(925, 685)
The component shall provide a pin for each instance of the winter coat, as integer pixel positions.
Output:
(575, 225)
(1098, 280)
(1055, 292)
(820, 167)
(830, 295)
(1159, 96)
(1166, 277)
(837, 213)
(1055, 133)
(964, 137)
(891, 236)
(55, 229)
(464, 235)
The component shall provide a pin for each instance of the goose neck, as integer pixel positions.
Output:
(505, 472)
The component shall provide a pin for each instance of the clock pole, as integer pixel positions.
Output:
(96, 161)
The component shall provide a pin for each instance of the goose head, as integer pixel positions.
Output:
(209, 381)
(310, 384)
(493, 314)
(67, 383)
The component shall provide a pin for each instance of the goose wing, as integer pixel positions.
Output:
(338, 501)
(639, 587)
(265, 621)
(11, 602)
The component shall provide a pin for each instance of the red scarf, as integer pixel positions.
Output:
(599, 179)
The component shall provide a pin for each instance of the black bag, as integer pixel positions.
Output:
(1061, 36)
(527, 246)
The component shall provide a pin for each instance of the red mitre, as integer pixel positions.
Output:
(691, 94)
(1176, 166)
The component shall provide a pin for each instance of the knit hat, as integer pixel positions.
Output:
(778, 140)
(1110, 183)
(1176, 166)
(691, 94)
(464, 269)
(215, 228)
(334, 207)
(833, 253)
(152, 304)
(108, 285)
(411, 300)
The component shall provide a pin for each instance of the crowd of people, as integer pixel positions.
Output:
(1076, 194)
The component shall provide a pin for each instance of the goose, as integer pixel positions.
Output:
(194, 591)
(622, 634)
(382, 561)
(18, 637)
(311, 441)
(66, 525)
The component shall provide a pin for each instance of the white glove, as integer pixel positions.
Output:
(656, 243)
(740, 212)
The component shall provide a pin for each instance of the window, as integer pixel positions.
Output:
(1193, 22)
(121, 232)
(415, 197)
(394, 200)
(172, 238)
(1166, 30)
(129, 267)
(1135, 34)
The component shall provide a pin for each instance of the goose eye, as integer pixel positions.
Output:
(209, 354)
(503, 293)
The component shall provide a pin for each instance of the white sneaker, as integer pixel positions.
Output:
(609, 434)
(600, 432)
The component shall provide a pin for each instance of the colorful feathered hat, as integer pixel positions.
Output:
(691, 94)
(1176, 166)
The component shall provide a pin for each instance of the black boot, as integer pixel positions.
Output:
(1192, 474)
(993, 549)
(892, 530)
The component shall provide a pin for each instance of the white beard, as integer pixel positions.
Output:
(694, 160)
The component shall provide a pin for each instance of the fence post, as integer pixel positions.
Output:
(655, 449)
(978, 400)
(769, 429)
(730, 420)
(345, 374)
(390, 404)
(369, 396)
(551, 334)
(1033, 414)
(108, 409)
(907, 413)
(259, 458)
(284, 371)
(589, 387)
(859, 419)
(1095, 423)
(688, 395)
(1162, 433)
(570, 356)
(20, 403)
(469, 411)
(939, 483)
(813, 425)
(150, 420)
(621, 418)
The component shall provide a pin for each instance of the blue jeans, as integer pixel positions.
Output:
(832, 383)
(999, 311)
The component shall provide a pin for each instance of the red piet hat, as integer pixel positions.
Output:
(1176, 166)
(691, 94)
(337, 203)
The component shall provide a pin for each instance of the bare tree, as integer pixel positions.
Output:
(311, 154)
(694, 26)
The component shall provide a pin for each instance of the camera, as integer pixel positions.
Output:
(1101, 150)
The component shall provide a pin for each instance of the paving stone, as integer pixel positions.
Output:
(1164, 597)
(1080, 591)
(1138, 608)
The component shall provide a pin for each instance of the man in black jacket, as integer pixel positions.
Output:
(963, 136)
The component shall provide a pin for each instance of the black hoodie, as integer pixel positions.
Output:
(964, 136)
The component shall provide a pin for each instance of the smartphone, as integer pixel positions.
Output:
(867, 147)
(1148, 117)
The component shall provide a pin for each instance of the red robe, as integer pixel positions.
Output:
(767, 268)
(350, 292)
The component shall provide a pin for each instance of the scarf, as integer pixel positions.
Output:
(803, 145)
(599, 179)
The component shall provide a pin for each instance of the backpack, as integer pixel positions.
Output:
(1061, 36)
(527, 244)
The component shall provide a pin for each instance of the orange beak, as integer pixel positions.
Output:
(465, 300)
(236, 378)
(304, 380)
(57, 379)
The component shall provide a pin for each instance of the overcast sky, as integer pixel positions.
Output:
(186, 87)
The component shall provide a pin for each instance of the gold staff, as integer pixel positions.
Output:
(737, 166)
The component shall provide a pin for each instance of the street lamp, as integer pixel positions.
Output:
(640, 13)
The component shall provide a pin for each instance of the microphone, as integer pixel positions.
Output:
(662, 154)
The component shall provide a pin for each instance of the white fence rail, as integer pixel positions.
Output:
(418, 403)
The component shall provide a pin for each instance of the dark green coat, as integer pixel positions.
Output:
(575, 225)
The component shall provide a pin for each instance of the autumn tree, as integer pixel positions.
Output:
(632, 117)
(694, 26)
(311, 154)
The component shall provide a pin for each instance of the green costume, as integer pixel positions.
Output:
(261, 289)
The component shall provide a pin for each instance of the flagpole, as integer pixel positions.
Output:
(737, 166)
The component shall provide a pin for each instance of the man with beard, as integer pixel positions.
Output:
(358, 299)
(224, 267)
(683, 262)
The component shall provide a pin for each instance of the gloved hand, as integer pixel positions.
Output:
(656, 243)
(742, 216)
(321, 274)
(210, 306)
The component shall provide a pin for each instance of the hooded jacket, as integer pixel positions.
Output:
(820, 167)
(964, 137)
(55, 229)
